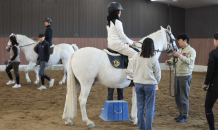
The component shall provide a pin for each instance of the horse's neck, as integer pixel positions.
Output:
(159, 41)
(26, 47)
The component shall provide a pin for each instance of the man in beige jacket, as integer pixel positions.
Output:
(184, 68)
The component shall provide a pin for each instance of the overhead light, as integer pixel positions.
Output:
(166, 0)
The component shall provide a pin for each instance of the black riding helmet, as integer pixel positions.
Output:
(48, 20)
(114, 6)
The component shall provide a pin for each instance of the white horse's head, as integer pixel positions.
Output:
(163, 41)
(21, 39)
(8, 47)
(171, 42)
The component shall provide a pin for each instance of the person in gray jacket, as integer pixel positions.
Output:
(184, 68)
(147, 75)
(14, 62)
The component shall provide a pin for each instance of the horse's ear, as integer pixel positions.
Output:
(169, 28)
(11, 34)
(161, 28)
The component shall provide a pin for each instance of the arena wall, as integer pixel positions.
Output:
(83, 22)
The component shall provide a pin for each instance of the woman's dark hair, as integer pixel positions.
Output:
(13, 40)
(216, 36)
(147, 48)
(112, 16)
(184, 36)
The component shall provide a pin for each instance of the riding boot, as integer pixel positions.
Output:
(110, 93)
(120, 93)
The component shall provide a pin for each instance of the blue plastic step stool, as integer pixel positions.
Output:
(116, 110)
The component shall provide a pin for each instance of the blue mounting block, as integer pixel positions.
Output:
(115, 110)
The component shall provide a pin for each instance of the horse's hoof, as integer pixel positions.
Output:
(135, 121)
(29, 82)
(90, 124)
(35, 83)
(70, 124)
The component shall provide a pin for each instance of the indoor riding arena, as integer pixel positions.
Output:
(79, 24)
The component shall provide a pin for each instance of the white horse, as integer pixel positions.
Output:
(90, 66)
(60, 52)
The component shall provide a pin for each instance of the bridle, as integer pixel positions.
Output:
(170, 46)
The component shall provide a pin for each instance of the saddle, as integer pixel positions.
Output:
(51, 49)
(118, 60)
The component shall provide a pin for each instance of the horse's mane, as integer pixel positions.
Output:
(151, 35)
(24, 38)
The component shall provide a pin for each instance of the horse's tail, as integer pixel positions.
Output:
(71, 97)
(75, 47)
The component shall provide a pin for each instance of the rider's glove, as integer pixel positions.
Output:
(205, 87)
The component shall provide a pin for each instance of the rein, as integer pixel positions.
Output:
(175, 60)
(28, 45)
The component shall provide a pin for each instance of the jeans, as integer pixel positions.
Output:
(43, 65)
(145, 97)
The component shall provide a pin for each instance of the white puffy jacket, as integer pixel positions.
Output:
(116, 34)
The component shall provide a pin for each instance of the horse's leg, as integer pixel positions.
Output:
(134, 107)
(65, 72)
(29, 67)
(85, 90)
(37, 75)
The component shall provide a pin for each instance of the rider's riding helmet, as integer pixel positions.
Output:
(114, 6)
(48, 20)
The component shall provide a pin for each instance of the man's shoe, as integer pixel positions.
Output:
(182, 119)
(51, 82)
(10, 82)
(16, 86)
(42, 87)
(176, 118)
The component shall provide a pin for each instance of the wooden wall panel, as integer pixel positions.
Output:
(86, 18)
(201, 22)
(203, 46)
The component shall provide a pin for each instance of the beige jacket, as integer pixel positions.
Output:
(186, 61)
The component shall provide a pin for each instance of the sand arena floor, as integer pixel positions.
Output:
(28, 108)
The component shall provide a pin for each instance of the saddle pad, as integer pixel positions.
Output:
(117, 62)
(51, 49)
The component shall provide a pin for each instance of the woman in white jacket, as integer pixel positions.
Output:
(117, 40)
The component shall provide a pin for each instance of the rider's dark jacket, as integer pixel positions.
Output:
(212, 69)
(49, 34)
